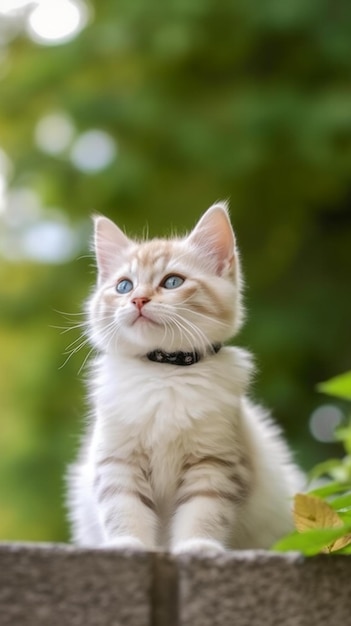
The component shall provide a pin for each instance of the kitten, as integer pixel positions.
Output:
(177, 456)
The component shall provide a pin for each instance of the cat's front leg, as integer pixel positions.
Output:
(125, 505)
(211, 491)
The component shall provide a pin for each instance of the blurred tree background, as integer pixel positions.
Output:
(148, 113)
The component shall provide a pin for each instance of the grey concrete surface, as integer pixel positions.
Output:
(59, 585)
(265, 589)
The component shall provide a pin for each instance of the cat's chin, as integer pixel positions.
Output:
(141, 338)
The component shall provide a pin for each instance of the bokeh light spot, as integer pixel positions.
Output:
(93, 151)
(22, 207)
(54, 133)
(12, 6)
(323, 422)
(56, 21)
(49, 242)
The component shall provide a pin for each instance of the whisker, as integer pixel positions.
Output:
(208, 317)
(66, 329)
(197, 332)
(85, 360)
(187, 331)
(84, 339)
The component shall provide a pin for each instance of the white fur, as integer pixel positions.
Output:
(176, 457)
(168, 412)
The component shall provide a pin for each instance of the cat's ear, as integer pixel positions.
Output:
(214, 237)
(109, 244)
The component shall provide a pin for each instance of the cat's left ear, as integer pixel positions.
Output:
(214, 237)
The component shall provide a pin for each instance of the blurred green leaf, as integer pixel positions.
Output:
(339, 386)
(311, 542)
(343, 434)
(329, 489)
(341, 501)
(323, 468)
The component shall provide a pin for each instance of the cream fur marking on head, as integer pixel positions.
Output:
(176, 455)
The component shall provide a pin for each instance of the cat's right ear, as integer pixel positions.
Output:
(109, 244)
(213, 236)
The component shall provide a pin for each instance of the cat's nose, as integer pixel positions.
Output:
(139, 302)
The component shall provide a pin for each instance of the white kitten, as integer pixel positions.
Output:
(176, 456)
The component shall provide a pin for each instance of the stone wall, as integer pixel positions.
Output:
(58, 585)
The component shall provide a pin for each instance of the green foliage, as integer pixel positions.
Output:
(335, 493)
(339, 386)
(311, 542)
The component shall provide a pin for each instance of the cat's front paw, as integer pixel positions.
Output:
(207, 547)
(126, 543)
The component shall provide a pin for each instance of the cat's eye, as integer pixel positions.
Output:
(124, 286)
(172, 282)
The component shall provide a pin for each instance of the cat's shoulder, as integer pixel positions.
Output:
(234, 366)
(236, 357)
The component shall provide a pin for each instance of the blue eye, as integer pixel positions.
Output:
(172, 282)
(124, 286)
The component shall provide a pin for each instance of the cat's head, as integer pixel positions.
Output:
(169, 294)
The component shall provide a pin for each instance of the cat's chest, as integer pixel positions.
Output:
(157, 407)
(154, 404)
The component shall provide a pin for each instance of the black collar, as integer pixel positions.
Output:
(181, 358)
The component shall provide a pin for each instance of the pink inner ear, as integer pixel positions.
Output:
(213, 236)
(110, 243)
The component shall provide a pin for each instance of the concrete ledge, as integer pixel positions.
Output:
(59, 585)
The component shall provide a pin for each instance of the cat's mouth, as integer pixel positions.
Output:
(141, 318)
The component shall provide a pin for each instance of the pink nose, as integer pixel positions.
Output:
(139, 302)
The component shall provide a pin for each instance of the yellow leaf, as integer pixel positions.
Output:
(340, 543)
(311, 512)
